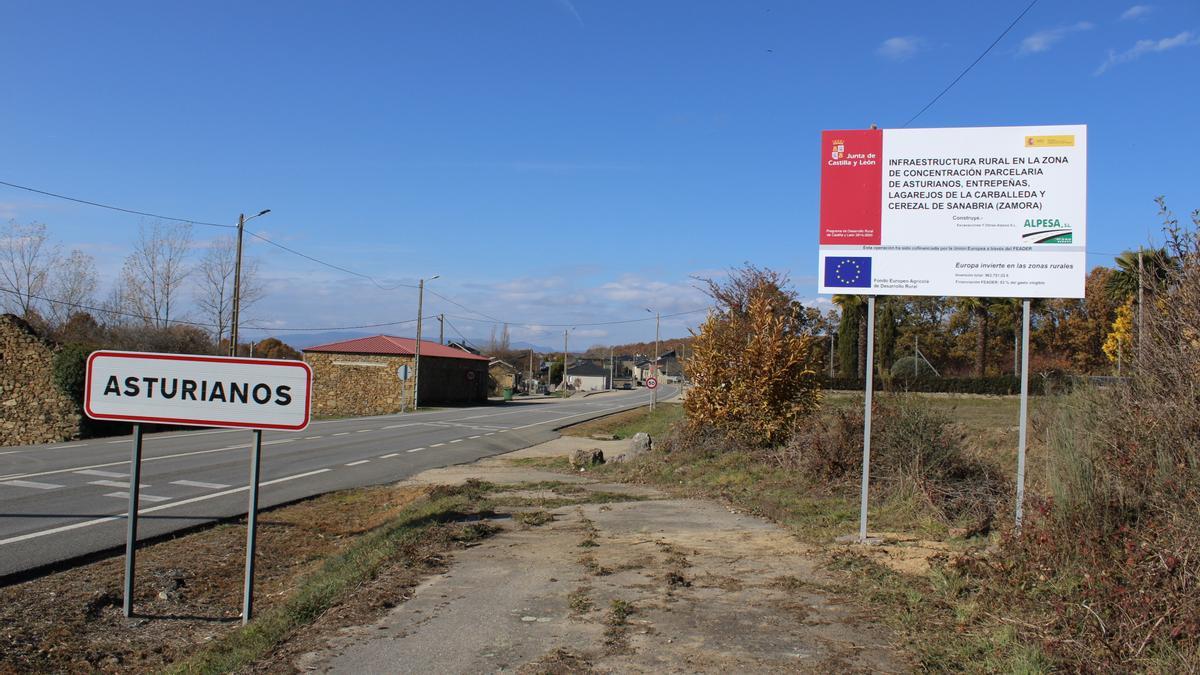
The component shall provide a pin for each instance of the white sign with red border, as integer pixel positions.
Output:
(192, 390)
(651, 383)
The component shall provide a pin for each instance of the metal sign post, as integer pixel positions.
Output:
(866, 460)
(251, 529)
(1024, 411)
(135, 474)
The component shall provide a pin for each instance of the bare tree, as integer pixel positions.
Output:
(214, 294)
(26, 257)
(153, 274)
(73, 285)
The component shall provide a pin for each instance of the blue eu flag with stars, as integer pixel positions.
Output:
(848, 272)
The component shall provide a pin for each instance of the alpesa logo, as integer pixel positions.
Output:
(1047, 231)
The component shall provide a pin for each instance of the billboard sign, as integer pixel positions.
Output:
(985, 211)
(192, 390)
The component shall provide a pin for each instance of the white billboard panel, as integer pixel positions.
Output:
(989, 211)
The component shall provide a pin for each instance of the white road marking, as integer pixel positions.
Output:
(342, 433)
(199, 484)
(415, 450)
(125, 440)
(473, 438)
(491, 434)
(361, 461)
(103, 474)
(363, 431)
(77, 469)
(277, 442)
(437, 445)
(311, 438)
(389, 456)
(121, 515)
(116, 484)
(73, 445)
(141, 497)
(31, 484)
(457, 440)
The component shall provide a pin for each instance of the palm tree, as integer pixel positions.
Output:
(1156, 269)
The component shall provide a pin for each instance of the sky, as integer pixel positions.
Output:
(554, 161)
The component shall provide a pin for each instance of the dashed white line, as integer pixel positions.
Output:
(277, 442)
(491, 434)
(363, 431)
(457, 440)
(141, 496)
(437, 445)
(103, 474)
(199, 484)
(116, 484)
(361, 461)
(389, 456)
(31, 484)
(473, 438)
(152, 509)
(311, 438)
(342, 433)
(416, 449)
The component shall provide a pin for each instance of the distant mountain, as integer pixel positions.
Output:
(306, 340)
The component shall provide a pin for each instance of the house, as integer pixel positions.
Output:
(587, 376)
(503, 375)
(362, 376)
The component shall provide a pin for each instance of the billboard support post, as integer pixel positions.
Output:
(251, 528)
(1024, 425)
(135, 475)
(866, 461)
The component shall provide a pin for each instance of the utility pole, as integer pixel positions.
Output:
(237, 281)
(417, 355)
(564, 380)
(530, 383)
(610, 367)
(654, 366)
(441, 329)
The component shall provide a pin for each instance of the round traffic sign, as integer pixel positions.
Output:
(651, 383)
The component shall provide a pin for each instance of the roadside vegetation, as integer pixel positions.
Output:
(1104, 575)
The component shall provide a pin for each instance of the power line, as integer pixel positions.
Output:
(973, 63)
(331, 265)
(456, 330)
(114, 208)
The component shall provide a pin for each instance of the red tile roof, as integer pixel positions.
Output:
(390, 344)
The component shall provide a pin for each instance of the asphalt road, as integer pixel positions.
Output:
(65, 500)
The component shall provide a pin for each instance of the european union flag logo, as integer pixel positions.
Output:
(848, 272)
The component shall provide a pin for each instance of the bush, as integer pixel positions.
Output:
(1002, 385)
(70, 371)
(752, 363)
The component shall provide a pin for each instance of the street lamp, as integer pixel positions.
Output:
(237, 282)
(417, 356)
(654, 368)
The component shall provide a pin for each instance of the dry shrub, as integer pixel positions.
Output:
(752, 363)
(915, 451)
(1114, 549)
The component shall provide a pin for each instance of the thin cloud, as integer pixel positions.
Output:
(1043, 40)
(570, 7)
(1136, 12)
(1142, 47)
(900, 47)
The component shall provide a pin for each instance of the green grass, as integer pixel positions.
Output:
(340, 575)
(626, 424)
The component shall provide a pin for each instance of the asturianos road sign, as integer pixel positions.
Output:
(210, 391)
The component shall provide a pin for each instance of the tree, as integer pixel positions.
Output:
(888, 331)
(26, 259)
(214, 294)
(847, 343)
(73, 284)
(979, 309)
(1119, 343)
(154, 272)
(751, 362)
(854, 315)
(1156, 268)
(274, 348)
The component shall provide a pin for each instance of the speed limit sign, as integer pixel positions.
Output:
(651, 383)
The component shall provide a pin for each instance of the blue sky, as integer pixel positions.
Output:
(556, 161)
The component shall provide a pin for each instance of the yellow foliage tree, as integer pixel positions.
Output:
(751, 362)
(1120, 338)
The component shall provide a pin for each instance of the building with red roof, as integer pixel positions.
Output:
(364, 376)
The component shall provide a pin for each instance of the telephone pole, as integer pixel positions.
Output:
(237, 281)
(417, 355)
(654, 367)
(441, 329)
(564, 380)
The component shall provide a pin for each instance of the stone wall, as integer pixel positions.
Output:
(32, 409)
(356, 385)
